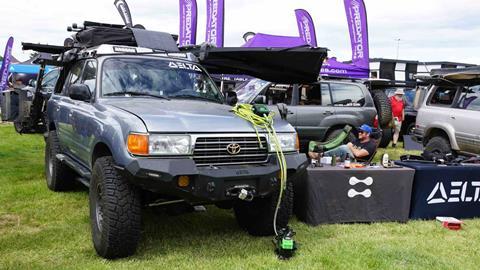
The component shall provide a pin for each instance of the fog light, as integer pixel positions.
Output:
(183, 181)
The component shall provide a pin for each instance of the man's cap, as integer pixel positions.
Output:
(399, 92)
(366, 128)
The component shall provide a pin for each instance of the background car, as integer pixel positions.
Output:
(318, 111)
(448, 119)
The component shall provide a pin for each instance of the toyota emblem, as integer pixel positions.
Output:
(233, 149)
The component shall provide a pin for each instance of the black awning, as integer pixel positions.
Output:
(53, 49)
(280, 65)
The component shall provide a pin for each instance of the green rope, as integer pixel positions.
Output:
(265, 122)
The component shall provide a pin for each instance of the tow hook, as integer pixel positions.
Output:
(244, 193)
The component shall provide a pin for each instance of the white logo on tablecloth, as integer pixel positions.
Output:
(367, 193)
(458, 193)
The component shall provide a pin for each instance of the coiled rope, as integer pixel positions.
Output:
(265, 122)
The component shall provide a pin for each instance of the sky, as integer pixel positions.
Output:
(429, 30)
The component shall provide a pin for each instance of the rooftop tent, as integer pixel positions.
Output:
(333, 68)
(280, 65)
(272, 41)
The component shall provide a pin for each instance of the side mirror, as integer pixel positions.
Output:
(260, 99)
(32, 82)
(231, 98)
(79, 92)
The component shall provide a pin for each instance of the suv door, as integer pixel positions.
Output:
(83, 126)
(467, 113)
(314, 112)
(63, 110)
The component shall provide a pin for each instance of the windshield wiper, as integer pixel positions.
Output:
(133, 93)
(196, 97)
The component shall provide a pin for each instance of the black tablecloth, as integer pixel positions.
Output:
(333, 194)
(440, 190)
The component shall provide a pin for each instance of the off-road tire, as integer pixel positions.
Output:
(438, 146)
(384, 108)
(58, 175)
(256, 217)
(334, 133)
(115, 211)
(387, 136)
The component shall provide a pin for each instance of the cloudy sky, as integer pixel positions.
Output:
(429, 30)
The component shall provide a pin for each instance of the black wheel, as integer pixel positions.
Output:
(387, 136)
(438, 147)
(334, 133)
(59, 176)
(383, 106)
(256, 217)
(115, 211)
(410, 128)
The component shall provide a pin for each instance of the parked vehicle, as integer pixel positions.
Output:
(318, 111)
(142, 124)
(17, 103)
(448, 118)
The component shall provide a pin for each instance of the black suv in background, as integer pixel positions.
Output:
(318, 111)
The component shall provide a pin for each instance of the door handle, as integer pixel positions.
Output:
(328, 112)
(57, 109)
(70, 114)
(453, 117)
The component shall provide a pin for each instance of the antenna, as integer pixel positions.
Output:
(124, 11)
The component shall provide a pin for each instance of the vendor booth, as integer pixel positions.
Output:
(332, 194)
(444, 190)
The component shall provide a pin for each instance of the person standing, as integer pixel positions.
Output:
(398, 111)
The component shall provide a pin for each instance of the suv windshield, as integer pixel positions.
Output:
(157, 78)
(247, 91)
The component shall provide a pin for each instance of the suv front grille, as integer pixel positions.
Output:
(213, 150)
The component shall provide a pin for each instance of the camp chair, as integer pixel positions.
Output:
(330, 144)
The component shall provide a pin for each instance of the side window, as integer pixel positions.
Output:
(73, 76)
(443, 96)
(50, 79)
(279, 93)
(347, 95)
(90, 75)
(310, 95)
(325, 91)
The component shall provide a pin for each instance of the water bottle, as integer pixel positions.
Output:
(347, 162)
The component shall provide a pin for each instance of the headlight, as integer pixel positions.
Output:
(169, 144)
(288, 142)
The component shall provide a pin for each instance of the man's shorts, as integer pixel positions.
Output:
(397, 125)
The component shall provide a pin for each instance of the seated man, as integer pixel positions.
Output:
(361, 149)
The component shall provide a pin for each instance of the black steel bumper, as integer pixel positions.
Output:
(209, 183)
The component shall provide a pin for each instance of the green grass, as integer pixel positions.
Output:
(40, 229)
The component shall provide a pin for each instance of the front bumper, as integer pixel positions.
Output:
(209, 183)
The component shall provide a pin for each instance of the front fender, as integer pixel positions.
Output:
(445, 127)
(114, 127)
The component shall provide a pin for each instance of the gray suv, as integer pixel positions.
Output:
(318, 111)
(448, 120)
(142, 124)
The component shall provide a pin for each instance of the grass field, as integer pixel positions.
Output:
(40, 229)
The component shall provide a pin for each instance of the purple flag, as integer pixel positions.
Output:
(7, 58)
(357, 24)
(306, 28)
(215, 21)
(188, 23)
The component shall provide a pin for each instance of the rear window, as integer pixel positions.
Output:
(443, 96)
(470, 99)
(347, 95)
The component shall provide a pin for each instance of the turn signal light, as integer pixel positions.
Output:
(297, 143)
(137, 144)
(183, 181)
